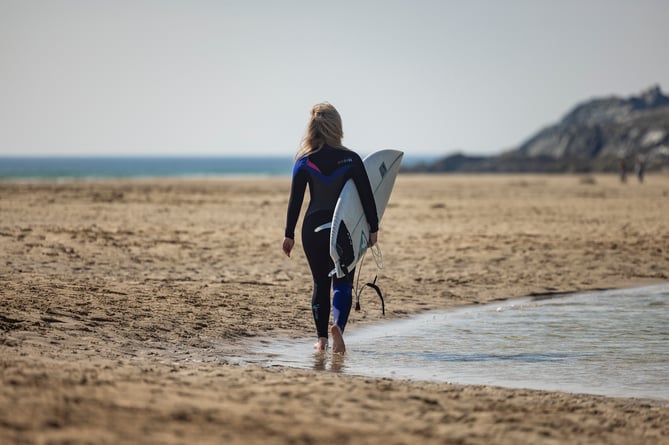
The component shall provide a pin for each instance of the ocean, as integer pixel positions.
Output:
(49, 168)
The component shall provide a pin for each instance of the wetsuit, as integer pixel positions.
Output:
(326, 171)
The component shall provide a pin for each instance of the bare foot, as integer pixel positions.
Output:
(338, 346)
(322, 344)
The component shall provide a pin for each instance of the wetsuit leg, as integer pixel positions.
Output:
(342, 299)
(317, 249)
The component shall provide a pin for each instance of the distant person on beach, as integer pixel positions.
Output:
(640, 168)
(325, 165)
(623, 170)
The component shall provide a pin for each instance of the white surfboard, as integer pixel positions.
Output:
(349, 234)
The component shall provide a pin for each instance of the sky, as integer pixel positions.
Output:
(205, 77)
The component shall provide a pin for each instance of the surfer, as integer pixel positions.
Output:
(325, 165)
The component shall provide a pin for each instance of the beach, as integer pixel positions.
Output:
(122, 300)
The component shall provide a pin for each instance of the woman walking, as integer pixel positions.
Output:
(325, 165)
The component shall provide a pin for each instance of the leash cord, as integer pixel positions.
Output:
(378, 259)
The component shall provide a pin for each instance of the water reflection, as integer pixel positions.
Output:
(324, 361)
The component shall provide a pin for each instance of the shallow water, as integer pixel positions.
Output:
(613, 343)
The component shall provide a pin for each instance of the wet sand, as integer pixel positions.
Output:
(120, 300)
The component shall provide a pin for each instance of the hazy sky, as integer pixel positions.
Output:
(94, 77)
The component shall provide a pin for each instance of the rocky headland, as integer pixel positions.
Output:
(599, 135)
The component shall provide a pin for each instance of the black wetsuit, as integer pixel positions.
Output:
(326, 171)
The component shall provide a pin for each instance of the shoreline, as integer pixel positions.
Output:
(101, 280)
(128, 180)
(262, 355)
(215, 177)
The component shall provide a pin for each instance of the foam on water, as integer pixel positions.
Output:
(613, 343)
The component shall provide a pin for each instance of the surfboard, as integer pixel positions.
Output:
(349, 233)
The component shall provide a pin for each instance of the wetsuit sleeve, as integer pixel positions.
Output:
(297, 189)
(366, 195)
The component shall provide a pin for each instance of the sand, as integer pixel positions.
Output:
(120, 301)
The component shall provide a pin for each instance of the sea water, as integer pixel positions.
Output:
(613, 343)
(140, 167)
(101, 167)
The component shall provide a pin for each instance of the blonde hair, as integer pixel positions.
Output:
(324, 128)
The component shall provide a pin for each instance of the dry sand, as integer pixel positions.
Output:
(120, 300)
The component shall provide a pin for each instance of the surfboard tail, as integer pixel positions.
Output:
(338, 271)
(345, 254)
